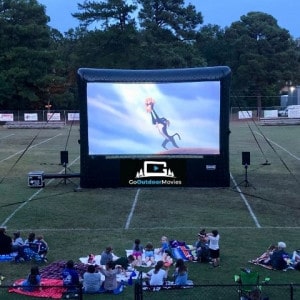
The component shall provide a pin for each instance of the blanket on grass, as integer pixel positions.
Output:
(54, 270)
(96, 260)
(8, 257)
(179, 250)
(51, 288)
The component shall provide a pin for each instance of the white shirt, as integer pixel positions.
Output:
(214, 242)
(158, 278)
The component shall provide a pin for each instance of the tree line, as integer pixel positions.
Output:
(38, 64)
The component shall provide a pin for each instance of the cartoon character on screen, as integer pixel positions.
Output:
(162, 124)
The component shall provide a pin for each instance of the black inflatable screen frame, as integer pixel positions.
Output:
(98, 171)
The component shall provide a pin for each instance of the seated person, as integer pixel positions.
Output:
(278, 257)
(124, 262)
(201, 248)
(265, 257)
(91, 281)
(137, 251)
(106, 256)
(180, 275)
(33, 280)
(157, 276)
(168, 260)
(5, 242)
(17, 241)
(42, 249)
(165, 247)
(149, 255)
(110, 284)
(70, 276)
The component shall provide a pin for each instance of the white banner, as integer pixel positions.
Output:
(245, 114)
(73, 117)
(53, 117)
(294, 112)
(30, 117)
(7, 117)
(271, 113)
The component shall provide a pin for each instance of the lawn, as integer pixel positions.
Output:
(76, 222)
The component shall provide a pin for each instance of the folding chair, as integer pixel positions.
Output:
(249, 286)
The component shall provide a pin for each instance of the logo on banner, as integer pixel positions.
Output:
(156, 173)
(155, 169)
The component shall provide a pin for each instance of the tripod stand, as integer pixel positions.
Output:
(65, 175)
(246, 181)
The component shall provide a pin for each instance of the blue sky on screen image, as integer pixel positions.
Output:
(120, 122)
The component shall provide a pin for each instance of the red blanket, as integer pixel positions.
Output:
(54, 291)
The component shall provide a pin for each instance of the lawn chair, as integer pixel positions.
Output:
(249, 285)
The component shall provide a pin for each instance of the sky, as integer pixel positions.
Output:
(219, 12)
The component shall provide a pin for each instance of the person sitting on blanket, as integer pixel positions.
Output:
(164, 250)
(110, 284)
(106, 256)
(70, 277)
(5, 242)
(149, 255)
(137, 251)
(157, 276)
(33, 280)
(91, 281)
(264, 259)
(17, 241)
(168, 260)
(124, 262)
(180, 274)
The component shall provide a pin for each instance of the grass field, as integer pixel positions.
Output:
(76, 222)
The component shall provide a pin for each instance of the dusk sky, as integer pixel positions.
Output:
(220, 12)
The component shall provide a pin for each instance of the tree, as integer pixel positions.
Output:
(25, 59)
(170, 15)
(107, 13)
(168, 33)
(261, 55)
(210, 43)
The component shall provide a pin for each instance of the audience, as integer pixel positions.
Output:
(278, 259)
(157, 276)
(110, 284)
(5, 242)
(70, 276)
(91, 280)
(181, 274)
(137, 251)
(17, 241)
(33, 280)
(214, 249)
(106, 256)
(149, 255)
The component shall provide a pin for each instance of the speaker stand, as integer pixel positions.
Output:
(66, 179)
(245, 182)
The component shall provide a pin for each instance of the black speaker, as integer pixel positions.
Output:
(246, 158)
(64, 157)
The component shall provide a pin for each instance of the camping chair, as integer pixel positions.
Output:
(249, 286)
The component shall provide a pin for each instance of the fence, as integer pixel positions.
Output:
(236, 291)
(201, 292)
(40, 116)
